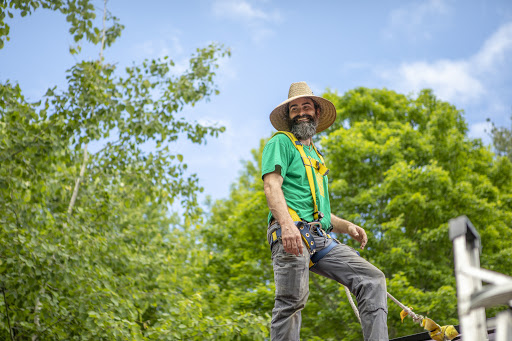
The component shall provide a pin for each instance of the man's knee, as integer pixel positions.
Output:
(377, 282)
(380, 278)
(372, 292)
(375, 275)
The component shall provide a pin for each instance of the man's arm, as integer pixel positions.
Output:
(344, 226)
(290, 235)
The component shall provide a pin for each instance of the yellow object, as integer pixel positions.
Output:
(294, 215)
(438, 333)
(429, 324)
(403, 314)
(450, 332)
(308, 164)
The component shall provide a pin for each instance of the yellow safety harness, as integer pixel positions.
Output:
(309, 164)
(306, 227)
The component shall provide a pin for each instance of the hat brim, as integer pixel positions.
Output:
(280, 120)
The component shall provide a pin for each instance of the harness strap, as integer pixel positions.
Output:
(294, 215)
(305, 233)
(309, 163)
(320, 254)
(307, 237)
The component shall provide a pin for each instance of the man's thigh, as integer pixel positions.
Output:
(345, 266)
(291, 273)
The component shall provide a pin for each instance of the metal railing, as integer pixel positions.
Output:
(472, 296)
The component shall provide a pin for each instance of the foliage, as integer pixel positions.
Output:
(116, 265)
(239, 262)
(79, 13)
(403, 167)
(502, 140)
(400, 167)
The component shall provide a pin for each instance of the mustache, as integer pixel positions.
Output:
(296, 119)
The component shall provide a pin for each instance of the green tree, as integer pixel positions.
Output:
(502, 140)
(79, 13)
(115, 264)
(401, 167)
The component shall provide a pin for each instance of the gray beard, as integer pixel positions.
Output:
(304, 130)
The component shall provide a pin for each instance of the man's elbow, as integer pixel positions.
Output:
(268, 185)
(271, 183)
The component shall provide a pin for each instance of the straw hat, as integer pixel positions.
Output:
(279, 116)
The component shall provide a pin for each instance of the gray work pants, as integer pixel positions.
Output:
(344, 265)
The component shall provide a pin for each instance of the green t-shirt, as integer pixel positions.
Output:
(280, 151)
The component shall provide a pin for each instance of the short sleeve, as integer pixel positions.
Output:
(276, 153)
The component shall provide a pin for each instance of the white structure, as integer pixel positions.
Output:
(472, 297)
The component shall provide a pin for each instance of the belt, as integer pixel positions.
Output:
(305, 232)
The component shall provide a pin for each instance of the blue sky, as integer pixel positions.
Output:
(460, 49)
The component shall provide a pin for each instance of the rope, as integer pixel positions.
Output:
(436, 332)
(415, 317)
(351, 300)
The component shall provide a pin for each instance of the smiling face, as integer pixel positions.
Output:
(302, 107)
(303, 118)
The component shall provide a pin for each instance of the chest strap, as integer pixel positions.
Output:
(309, 163)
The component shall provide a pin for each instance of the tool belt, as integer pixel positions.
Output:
(305, 230)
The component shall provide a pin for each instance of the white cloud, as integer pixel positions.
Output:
(158, 48)
(480, 130)
(410, 18)
(495, 48)
(416, 12)
(450, 79)
(460, 80)
(243, 11)
(255, 19)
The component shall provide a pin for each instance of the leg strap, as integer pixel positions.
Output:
(320, 254)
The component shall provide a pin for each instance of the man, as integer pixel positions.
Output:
(292, 198)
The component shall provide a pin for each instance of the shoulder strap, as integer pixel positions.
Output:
(308, 164)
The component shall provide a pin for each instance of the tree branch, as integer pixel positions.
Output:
(52, 324)
(82, 170)
(104, 29)
(7, 313)
(37, 309)
(77, 183)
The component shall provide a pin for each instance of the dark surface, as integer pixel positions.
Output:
(462, 225)
(421, 336)
(491, 332)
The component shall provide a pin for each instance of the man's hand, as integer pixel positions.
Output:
(292, 240)
(290, 234)
(358, 234)
(345, 226)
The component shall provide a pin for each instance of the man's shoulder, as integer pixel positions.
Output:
(279, 143)
(280, 137)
